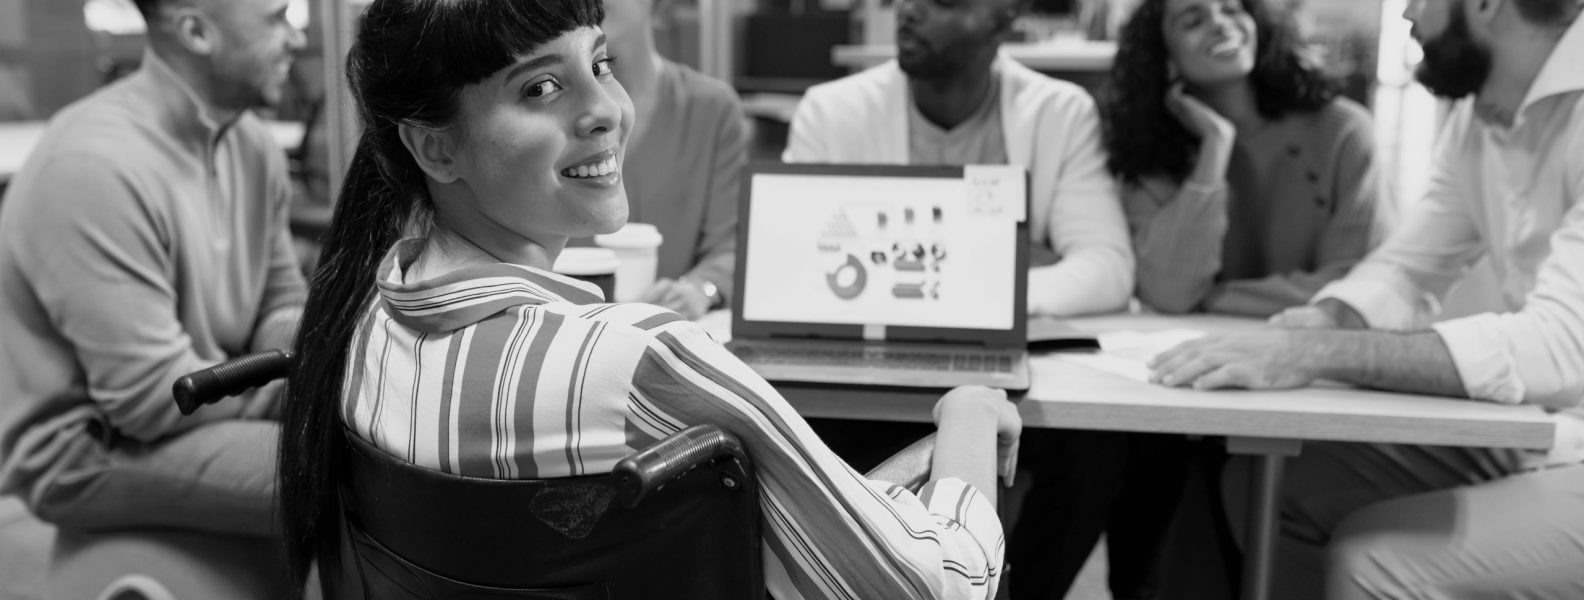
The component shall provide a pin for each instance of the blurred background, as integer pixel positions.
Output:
(53, 52)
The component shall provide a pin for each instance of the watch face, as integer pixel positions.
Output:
(711, 292)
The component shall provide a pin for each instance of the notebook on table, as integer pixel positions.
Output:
(883, 275)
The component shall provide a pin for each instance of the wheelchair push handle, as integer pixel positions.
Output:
(230, 378)
(646, 471)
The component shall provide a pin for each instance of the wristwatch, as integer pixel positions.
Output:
(711, 292)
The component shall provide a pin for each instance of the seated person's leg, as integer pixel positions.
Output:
(1330, 480)
(1521, 536)
(1156, 471)
(217, 478)
(1076, 476)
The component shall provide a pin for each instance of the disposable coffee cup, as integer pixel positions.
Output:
(637, 247)
(598, 266)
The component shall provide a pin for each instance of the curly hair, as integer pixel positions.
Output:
(1141, 135)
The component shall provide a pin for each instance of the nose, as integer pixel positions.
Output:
(907, 12)
(296, 40)
(603, 113)
(1222, 22)
(1411, 10)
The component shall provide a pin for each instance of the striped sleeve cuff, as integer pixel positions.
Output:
(960, 506)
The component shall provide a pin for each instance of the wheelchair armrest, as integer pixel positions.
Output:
(909, 468)
(646, 471)
(230, 378)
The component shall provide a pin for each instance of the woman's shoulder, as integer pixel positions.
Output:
(1338, 117)
(701, 90)
(634, 319)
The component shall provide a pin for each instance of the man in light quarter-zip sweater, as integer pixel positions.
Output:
(146, 238)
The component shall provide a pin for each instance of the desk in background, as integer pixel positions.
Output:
(1269, 426)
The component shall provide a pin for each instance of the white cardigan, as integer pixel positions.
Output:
(1051, 127)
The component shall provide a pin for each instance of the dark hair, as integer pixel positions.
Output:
(1141, 135)
(1556, 13)
(408, 64)
(148, 8)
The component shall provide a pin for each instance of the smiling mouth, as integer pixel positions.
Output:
(1226, 47)
(590, 170)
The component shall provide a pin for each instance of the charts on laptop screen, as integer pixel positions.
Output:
(877, 250)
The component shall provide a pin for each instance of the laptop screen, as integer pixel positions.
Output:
(902, 247)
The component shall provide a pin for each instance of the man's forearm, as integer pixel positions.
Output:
(278, 330)
(1416, 362)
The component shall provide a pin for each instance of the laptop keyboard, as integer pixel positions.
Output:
(873, 357)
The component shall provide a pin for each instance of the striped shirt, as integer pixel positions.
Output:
(505, 371)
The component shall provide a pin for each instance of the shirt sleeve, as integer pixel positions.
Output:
(837, 534)
(1400, 284)
(1177, 237)
(807, 136)
(1535, 354)
(715, 259)
(285, 291)
(1352, 229)
(100, 269)
(1087, 228)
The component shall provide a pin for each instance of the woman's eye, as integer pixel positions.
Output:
(541, 89)
(602, 67)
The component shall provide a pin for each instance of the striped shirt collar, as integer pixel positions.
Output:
(471, 294)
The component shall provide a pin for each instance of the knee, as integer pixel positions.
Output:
(1366, 560)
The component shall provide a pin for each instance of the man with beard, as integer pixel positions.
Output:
(951, 99)
(1507, 183)
(146, 238)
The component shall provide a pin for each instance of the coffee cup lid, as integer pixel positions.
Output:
(586, 261)
(631, 235)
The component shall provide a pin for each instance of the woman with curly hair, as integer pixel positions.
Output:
(1247, 181)
(1248, 184)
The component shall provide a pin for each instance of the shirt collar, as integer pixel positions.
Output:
(192, 117)
(1561, 73)
(470, 294)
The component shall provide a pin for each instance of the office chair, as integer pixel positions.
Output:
(679, 519)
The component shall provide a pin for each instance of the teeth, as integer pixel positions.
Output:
(1225, 47)
(599, 169)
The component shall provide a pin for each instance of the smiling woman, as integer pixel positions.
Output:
(494, 130)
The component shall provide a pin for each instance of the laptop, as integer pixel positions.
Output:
(883, 275)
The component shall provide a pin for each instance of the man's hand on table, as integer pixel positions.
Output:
(1271, 359)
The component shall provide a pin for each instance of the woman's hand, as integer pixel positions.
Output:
(1216, 135)
(1200, 119)
(1328, 313)
(683, 297)
(991, 405)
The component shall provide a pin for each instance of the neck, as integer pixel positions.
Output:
(1234, 101)
(1516, 61)
(947, 102)
(461, 240)
(201, 80)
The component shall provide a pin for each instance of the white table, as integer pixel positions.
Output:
(18, 138)
(1269, 426)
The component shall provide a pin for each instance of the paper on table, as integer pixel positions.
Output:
(1127, 353)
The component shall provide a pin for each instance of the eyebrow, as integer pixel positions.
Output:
(534, 63)
(1185, 11)
(545, 61)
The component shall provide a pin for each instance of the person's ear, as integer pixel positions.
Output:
(433, 150)
(193, 30)
(1485, 10)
